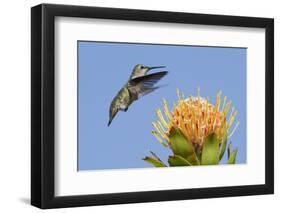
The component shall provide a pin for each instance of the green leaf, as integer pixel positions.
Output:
(178, 161)
(154, 161)
(232, 157)
(229, 148)
(182, 147)
(198, 151)
(223, 147)
(210, 151)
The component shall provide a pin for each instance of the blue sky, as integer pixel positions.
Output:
(104, 67)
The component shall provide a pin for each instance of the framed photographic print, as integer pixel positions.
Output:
(140, 106)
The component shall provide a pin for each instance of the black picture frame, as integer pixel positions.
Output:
(43, 111)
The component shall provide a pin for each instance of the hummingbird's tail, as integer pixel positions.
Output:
(110, 120)
(112, 113)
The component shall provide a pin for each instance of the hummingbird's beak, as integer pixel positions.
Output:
(151, 68)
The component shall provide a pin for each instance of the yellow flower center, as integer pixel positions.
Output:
(196, 118)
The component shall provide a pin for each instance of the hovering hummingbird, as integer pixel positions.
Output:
(139, 84)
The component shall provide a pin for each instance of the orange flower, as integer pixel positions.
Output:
(197, 118)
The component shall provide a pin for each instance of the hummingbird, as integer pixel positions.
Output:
(139, 84)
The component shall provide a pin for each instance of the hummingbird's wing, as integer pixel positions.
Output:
(143, 85)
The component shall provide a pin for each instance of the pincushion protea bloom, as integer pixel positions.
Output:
(196, 131)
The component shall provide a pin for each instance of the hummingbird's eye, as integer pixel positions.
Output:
(141, 67)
